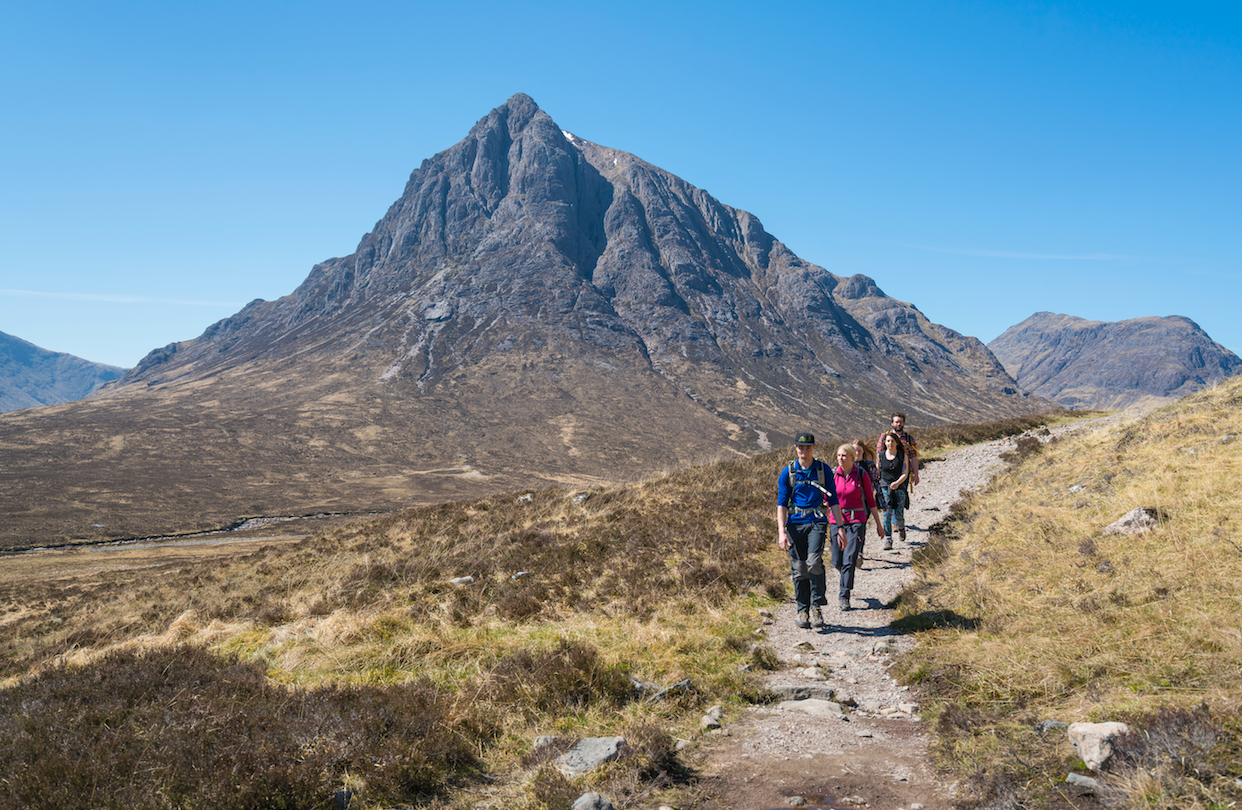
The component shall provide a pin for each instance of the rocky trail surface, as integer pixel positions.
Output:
(848, 735)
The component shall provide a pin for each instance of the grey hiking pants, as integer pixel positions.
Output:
(806, 563)
(844, 560)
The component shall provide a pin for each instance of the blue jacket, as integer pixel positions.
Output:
(804, 496)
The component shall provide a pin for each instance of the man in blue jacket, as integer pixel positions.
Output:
(803, 500)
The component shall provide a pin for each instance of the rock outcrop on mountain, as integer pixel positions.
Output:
(31, 376)
(1108, 365)
(534, 309)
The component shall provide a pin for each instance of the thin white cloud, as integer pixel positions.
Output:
(1017, 254)
(118, 299)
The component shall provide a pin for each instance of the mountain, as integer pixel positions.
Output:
(535, 309)
(31, 376)
(1097, 364)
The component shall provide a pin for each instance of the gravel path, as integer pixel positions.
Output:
(875, 752)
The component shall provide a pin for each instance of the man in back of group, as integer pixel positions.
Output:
(898, 429)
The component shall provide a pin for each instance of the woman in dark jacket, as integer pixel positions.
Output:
(894, 478)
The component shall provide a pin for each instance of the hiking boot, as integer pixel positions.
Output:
(888, 542)
(817, 617)
(804, 619)
(902, 532)
(844, 604)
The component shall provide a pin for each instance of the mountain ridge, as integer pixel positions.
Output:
(1110, 365)
(31, 376)
(534, 309)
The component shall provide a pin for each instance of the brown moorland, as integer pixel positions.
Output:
(306, 657)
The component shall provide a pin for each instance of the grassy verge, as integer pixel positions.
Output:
(1030, 612)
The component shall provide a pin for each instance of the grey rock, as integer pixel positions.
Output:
(1083, 781)
(813, 706)
(588, 755)
(1044, 726)
(1137, 520)
(803, 691)
(592, 801)
(679, 688)
(1094, 741)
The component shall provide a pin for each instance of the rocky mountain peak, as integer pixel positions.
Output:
(522, 235)
(1100, 364)
(535, 307)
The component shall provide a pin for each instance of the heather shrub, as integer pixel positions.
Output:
(183, 727)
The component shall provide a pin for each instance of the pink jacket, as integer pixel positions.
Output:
(855, 495)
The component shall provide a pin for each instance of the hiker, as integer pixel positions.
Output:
(898, 428)
(864, 458)
(857, 500)
(894, 475)
(804, 496)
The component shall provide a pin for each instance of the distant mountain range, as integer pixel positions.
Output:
(31, 376)
(1095, 364)
(535, 309)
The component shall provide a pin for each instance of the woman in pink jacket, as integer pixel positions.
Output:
(857, 499)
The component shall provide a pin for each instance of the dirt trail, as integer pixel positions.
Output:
(875, 755)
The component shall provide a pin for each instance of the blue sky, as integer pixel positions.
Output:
(165, 163)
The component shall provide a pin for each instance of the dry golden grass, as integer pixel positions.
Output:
(1035, 613)
(573, 592)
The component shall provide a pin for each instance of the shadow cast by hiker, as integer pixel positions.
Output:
(879, 563)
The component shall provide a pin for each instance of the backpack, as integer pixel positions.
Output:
(793, 482)
(862, 488)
